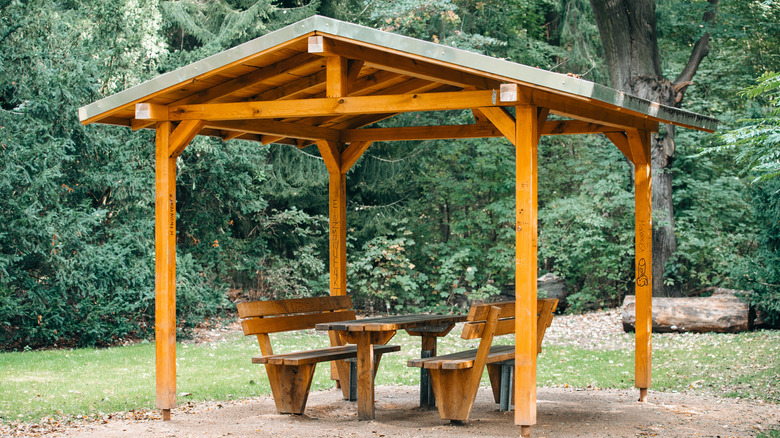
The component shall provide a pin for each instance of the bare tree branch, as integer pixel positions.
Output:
(700, 50)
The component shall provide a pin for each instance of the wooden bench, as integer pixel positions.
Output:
(456, 376)
(290, 374)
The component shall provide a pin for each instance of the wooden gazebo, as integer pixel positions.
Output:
(324, 82)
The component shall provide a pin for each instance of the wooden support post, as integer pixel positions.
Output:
(165, 271)
(526, 135)
(640, 144)
(337, 195)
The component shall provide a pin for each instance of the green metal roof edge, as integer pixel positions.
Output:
(510, 70)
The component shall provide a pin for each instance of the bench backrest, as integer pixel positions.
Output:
(475, 323)
(263, 317)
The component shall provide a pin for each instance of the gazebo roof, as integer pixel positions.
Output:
(290, 64)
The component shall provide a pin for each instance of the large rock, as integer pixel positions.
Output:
(551, 286)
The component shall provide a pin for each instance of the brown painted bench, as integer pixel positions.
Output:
(290, 374)
(456, 376)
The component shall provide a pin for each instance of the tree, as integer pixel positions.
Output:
(628, 33)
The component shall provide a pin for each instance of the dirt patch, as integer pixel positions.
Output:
(562, 412)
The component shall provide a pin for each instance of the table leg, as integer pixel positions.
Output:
(365, 376)
(427, 400)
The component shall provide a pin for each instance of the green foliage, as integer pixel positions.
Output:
(586, 229)
(758, 141)
(76, 265)
(76, 260)
(384, 277)
(761, 273)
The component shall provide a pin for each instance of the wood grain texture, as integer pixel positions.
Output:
(165, 269)
(306, 321)
(291, 306)
(526, 117)
(643, 285)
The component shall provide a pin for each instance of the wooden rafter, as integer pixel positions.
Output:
(223, 91)
(399, 64)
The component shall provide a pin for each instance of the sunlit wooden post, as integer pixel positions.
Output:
(165, 271)
(526, 139)
(337, 198)
(639, 142)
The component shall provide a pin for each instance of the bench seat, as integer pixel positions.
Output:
(464, 359)
(322, 355)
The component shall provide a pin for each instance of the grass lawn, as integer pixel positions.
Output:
(35, 385)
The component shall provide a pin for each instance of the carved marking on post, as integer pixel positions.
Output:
(172, 215)
(641, 279)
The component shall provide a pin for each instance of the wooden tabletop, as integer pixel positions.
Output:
(388, 323)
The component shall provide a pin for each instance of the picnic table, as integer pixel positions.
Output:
(370, 331)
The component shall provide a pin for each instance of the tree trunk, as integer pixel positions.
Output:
(628, 33)
(718, 313)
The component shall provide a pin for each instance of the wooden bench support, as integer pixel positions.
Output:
(290, 386)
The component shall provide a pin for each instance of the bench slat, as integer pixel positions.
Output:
(473, 330)
(464, 359)
(321, 355)
(277, 324)
(479, 312)
(295, 305)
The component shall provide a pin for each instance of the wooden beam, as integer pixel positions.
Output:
(575, 127)
(183, 135)
(230, 135)
(525, 265)
(292, 43)
(620, 140)
(643, 264)
(331, 154)
(136, 124)
(277, 129)
(502, 120)
(399, 64)
(483, 130)
(352, 153)
(165, 270)
(337, 76)
(358, 105)
(541, 121)
(355, 66)
(589, 112)
(151, 112)
(362, 86)
(639, 143)
(298, 88)
(223, 91)
(479, 117)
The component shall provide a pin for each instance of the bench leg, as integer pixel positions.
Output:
(342, 374)
(290, 386)
(353, 381)
(507, 395)
(455, 392)
(494, 372)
